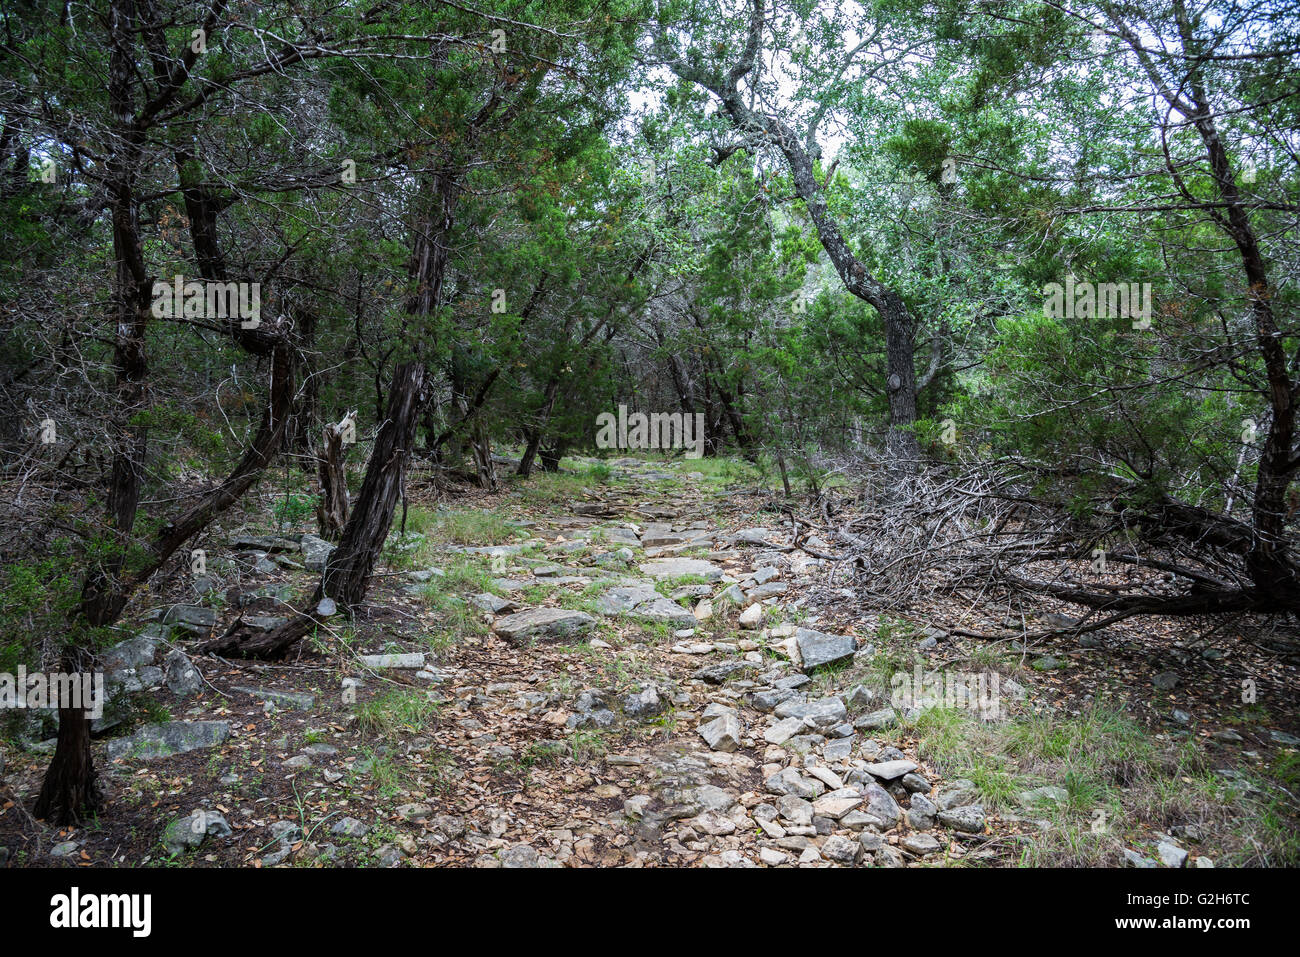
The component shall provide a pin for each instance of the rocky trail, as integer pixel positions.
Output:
(637, 676)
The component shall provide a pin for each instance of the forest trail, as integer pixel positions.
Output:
(646, 673)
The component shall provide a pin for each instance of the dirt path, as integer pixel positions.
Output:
(634, 676)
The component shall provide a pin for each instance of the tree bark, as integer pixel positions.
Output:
(332, 512)
(347, 573)
(70, 792)
(351, 564)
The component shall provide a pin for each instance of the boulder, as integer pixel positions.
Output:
(542, 623)
(722, 733)
(182, 677)
(818, 649)
(173, 737)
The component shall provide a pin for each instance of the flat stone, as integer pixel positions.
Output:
(350, 827)
(713, 823)
(720, 673)
(624, 598)
(713, 798)
(823, 713)
(426, 574)
(818, 649)
(173, 737)
(620, 536)
(680, 567)
(956, 794)
(315, 552)
(406, 661)
(767, 701)
(772, 857)
(666, 610)
(544, 623)
(968, 818)
(839, 749)
(795, 810)
(922, 812)
(193, 618)
(733, 594)
(883, 718)
(783, 731)
(416, 813)
(764, 592)
(920, 844)
(835, 807)
(890, 770)
(493, 603)
(132, 653)
(841, 849)
(1134, 859)
(283, 699)
(881, 805)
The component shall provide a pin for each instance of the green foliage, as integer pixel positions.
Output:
(37, 599)
(294, 508)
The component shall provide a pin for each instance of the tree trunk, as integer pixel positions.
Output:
(332, 512)
(901, 443)
(482, 446)
(70, 792)
(551, 457)
(347, 573)
(785, 476)
(543, 416)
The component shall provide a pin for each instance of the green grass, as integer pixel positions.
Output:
(728, 471)
(549, 488)
(447, 595)
(536, 594)
(395, 712)
(386, 777)
(474, 528)
(588, 745)
(666, 586)
(471, 574)
(1269, 837)
(1122, 785)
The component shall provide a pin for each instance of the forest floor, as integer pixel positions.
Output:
(631, 664)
